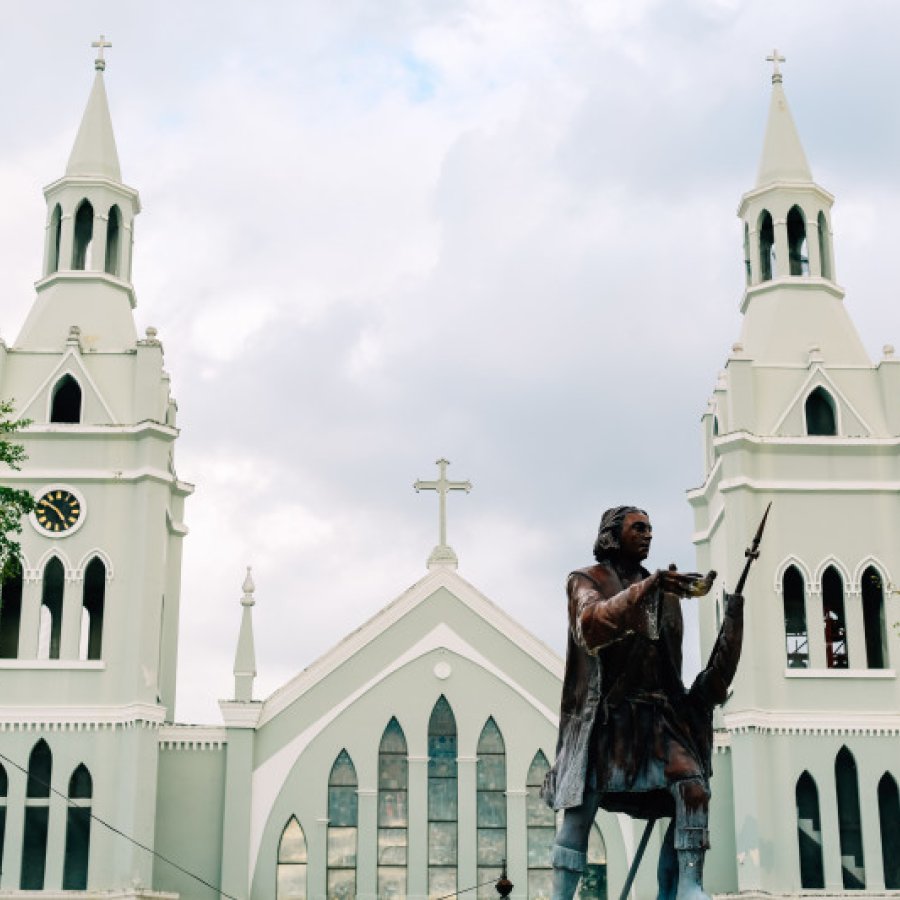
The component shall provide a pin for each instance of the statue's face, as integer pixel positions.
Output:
(637, 532)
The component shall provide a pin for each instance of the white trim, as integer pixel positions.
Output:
(240, 714)
(759, 484)
(93, 476)
(88, 715)
(89, 275)
(102, 555)
(812, 722)
(873, 674)
(804, 283)
(51, 551)
(48, 429)
(784, 565)
(822, 379)
(192, 737)
(53, 664)
(832, 561)
(701, 537)
(882, 569)
(53, 377)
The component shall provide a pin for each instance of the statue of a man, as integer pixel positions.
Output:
(632, 738)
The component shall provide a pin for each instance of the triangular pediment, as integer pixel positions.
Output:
(95, 409)
(792, 420)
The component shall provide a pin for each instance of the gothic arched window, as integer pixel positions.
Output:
(809, 833)
(393, 812)
(541, 826)
(65, 406)
(84, 233)
(797, 248)
(91, 643)
(37, 815)
(766, 247)
(78, 831)
(51, 610)
(113, 232)
(10, 614)
(491, 807)
(889, 819)
(54, 239)
(292, 863)
(796, 636)
(853, 869)
(835, 619)
(820, 416)
(873, 619)
(442, 800)
(593, 881)
(343, 817)
(824, 254)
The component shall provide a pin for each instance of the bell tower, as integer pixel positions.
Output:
(801, 416)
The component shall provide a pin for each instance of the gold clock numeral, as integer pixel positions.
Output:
(59, 495)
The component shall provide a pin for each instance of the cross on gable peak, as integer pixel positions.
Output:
(443, 554)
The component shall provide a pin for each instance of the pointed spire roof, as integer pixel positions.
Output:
(783, 158)
(94, 152)
(245, 656)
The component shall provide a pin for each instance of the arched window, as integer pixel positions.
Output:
(10, 614)
(824, 254)
(292, 863)
(393, 812)
(852, 866)
(343, 812)
(766, 247)
(748, 270)
(889, 818)
(796, 636)
(873, 620)
(809, 833)
(491, 807)
(113, 231)
(442, 800)
(37, 814)
(4, 789)
(820, 417)
(593, 881)
(797, 249)
(66, 404)
(91, 644)
(55, 235)
(51, 610)
(78, 831)
(84, 233)
(541, 825)
(835, 620)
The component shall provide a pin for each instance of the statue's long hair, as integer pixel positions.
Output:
(609, 535)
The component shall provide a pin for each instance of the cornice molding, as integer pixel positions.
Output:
(192, 737)
(808, 722)
(81, 718)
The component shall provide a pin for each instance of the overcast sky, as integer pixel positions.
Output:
(377, 232)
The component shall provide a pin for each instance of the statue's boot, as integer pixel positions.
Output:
(690, 875)
(568, 865)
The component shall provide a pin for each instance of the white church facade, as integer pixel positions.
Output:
(407, 761)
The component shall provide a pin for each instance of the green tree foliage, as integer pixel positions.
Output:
(14, 504)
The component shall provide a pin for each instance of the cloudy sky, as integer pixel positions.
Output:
(377, 232)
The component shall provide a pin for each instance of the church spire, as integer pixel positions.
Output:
(245, 656)
(783, 158)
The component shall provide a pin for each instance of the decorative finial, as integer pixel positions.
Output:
(248, 588)
(443, 554)
(776, 58)
(100, 62)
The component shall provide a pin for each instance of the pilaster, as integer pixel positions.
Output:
(418, 827)
(30, 621)
(517, 840)
(11, 859)
(467, 774)
(70, 638)
(366, 845)
(782, 256)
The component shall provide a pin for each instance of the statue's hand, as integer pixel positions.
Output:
(685, 584)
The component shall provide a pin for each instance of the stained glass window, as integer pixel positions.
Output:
(393, 813)
(491, 808)
(442, 801)
(292, 862)
(342, 829)
(593, 881)
(78, 831)
(541, 825)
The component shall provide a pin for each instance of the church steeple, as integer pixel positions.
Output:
(86, 279)
(245, 655)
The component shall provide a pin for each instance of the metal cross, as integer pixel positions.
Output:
(775, 58)
(100, 62)
(443, 486)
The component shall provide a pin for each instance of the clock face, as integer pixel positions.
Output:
(58, 511)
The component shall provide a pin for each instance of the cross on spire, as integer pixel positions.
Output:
(443, 554)
(775, 58)
(100, 62)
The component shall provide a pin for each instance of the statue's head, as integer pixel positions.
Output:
(609, 535)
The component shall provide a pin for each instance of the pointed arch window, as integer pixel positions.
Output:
(889, 819)
(292, 863)
(835, 619)
(490, 807)
(748, 269)
(65, 406)
(343, 820)
(796, 635)
(4, 790)
(442, 800)
(91, 643)
(78, 830)
(393, 812)
(853, 869)
(593, 881)
(540, 823)
(798, 252)
(809, 833)
(37, 815)
(766, 247)
(84, 234)
(113, 233)
(824, 245)
(10, 614)
(873, 620)
(54, 239)
(51, 610)
(820, 416)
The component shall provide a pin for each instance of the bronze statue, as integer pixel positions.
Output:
(632, 738)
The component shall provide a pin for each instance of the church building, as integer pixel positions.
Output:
(406, 762)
